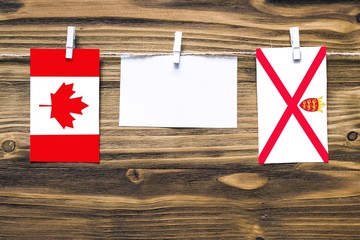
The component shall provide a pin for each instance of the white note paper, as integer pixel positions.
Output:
(200, 92)
(292, 115)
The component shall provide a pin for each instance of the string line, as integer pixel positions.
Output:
(129, 54)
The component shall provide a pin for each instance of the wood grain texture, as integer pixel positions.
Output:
(166, 183)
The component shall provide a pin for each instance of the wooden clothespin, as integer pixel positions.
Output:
(70, 42)
(295, 42)
(177, 47)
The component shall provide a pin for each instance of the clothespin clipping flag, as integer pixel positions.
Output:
(292, 115)
(64, 105)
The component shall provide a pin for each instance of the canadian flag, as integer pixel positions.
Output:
(64, 105)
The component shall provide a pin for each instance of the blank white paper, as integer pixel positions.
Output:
(200, 92)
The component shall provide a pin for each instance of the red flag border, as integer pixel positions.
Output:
(65, 148)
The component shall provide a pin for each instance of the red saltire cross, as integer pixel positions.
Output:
(292, 105)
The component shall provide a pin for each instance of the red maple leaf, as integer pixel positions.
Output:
(63, 105)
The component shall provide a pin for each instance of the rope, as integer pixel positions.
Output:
(128, 54)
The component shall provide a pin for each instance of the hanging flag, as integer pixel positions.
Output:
(64, 105)
(200, 92)
(292, 116)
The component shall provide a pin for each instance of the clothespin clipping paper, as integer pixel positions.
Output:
(177, 47)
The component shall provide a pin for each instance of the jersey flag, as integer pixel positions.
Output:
(292, 114)
(64, 106)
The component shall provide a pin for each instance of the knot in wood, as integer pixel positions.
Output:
(352, 136)
(259, 238)
(135, 176)
(358, 18)
(8, 146)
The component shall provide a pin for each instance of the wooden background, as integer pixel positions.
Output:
(179, 183)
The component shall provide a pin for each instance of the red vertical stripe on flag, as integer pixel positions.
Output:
(52, 62)
(65, 148)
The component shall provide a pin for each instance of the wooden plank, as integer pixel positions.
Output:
(166, 183)
(149, 25)
(84, 202)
